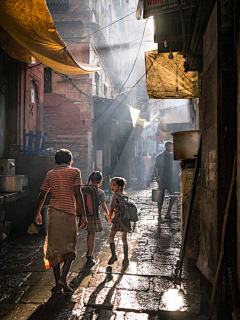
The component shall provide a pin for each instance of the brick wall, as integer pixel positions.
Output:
(68, 124)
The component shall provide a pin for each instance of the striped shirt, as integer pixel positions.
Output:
(61, 182)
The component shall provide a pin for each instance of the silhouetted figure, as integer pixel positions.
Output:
(164, 174)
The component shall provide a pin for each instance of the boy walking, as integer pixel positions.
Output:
(60, 244)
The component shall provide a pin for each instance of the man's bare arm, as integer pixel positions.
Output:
(40, 201)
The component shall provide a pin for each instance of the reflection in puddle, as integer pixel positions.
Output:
(173, 300)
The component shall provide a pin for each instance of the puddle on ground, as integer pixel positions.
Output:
(173, 300)
(85, 282)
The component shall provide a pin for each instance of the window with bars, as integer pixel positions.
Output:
(47, 80)
(58, 6)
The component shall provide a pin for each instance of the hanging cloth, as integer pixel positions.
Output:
(27, 32)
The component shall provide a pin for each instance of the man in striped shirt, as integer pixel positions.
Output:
(60, 244)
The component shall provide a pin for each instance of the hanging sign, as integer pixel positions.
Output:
(153, 7)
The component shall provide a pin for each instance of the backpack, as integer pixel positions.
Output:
(91, 198)
(128, 208)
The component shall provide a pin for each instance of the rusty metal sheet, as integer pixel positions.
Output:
(166, 79)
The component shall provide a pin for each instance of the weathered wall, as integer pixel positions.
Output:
(68, 124)
(207, 260)
(219, 126)
(193, 245)
(33, 91)
(24, 100)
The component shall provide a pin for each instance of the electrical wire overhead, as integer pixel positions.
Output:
(89, 35)
(127, 76)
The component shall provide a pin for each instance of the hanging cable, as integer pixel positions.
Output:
(36, 65)
(89, 35)
(70, 80)
(128, 75)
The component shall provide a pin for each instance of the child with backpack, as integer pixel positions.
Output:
(94, 218)
(116, 217)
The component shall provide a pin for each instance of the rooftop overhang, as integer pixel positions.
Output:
(27, 32)
(179, 26)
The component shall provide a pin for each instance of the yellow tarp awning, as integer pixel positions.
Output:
(27, 30)
(166, 79)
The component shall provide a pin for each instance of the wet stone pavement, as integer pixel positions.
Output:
(144, 291)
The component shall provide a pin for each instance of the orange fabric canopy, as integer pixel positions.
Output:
(27, 30)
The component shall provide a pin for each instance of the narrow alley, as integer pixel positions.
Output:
(143, 90)
(144, 291)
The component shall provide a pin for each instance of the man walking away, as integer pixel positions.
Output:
(164, 173)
